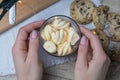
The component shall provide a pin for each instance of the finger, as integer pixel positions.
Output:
(82, 60)
(33, 47)
(94, 40)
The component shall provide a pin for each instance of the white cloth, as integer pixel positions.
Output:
(8, 38)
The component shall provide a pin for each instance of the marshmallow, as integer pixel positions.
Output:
(58, 37)
(56, 22)
(50, 47)
(65, 26)
(61, 36)
(69, 50)
(75, 38)
(64, 37)
(47, 35)
(54, 39)
(48, 31)
(60, 24)
(64, 49)
(55, 36)
(70, 34)
(43, 35)
(60, 49)
(49, 28)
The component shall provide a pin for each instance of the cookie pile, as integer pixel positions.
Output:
(85, 11)
(60, 37)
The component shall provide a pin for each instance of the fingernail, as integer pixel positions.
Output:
(34, 34)
(80, 25)
(42, 21)
(83, 40)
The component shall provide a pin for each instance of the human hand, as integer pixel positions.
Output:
(25, 53)
(95, 68)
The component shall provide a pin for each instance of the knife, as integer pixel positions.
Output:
(12, 15)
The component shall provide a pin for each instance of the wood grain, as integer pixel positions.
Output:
(66, 72)
(58, 72)
(24, 10)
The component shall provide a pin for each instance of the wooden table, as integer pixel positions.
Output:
(66, 72)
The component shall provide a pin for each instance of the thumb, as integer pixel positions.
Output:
(83, 52)
(33, 49)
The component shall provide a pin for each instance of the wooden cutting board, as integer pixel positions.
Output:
(24, 10)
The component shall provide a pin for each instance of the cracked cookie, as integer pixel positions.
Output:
(81, 11)
(100, 16)
(114, 19)
(113, 29)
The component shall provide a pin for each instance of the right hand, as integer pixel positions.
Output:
(95, 68)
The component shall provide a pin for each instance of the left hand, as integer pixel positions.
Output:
(25, 53)
(97, 66)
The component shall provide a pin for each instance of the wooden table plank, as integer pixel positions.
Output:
(64, 70)
(53, 73)
(58, 72)
(51, 77)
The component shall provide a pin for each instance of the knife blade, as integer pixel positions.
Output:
(12, 15)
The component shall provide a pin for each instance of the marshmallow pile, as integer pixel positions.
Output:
(60, 36)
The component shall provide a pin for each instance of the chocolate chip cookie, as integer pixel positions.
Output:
(72, 10)
(114, 19)
(113, 29)
(113, 33)
(100, 16)
(81, 11)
